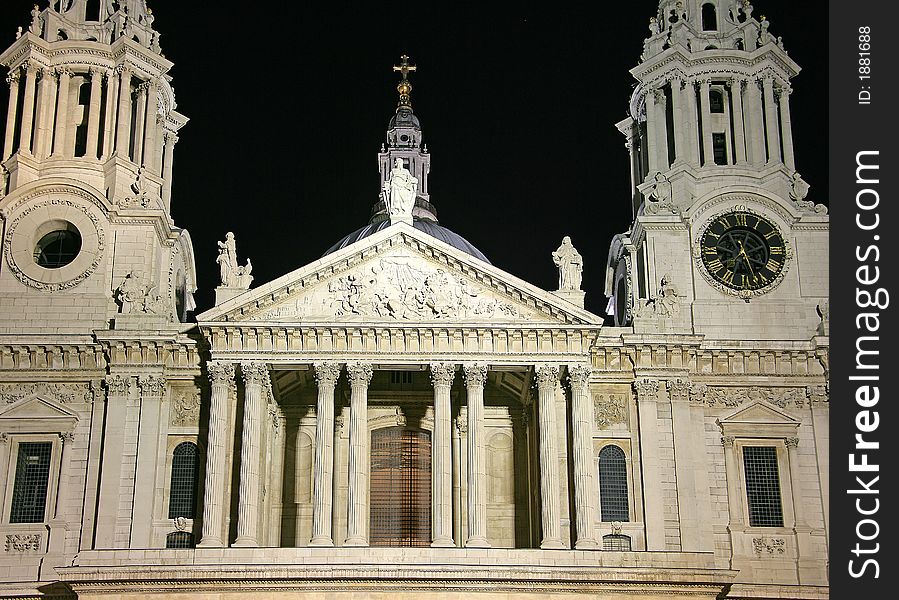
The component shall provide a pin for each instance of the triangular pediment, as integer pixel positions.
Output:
(760, 412)
(399, 275)
(35, 409)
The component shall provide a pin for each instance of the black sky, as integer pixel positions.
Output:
(289, 103)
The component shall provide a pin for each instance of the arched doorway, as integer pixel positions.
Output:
(400, 512)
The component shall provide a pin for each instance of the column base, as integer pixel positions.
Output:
(586, 545)
(443, 542)
(477, 542)
(357, 542)
(552, 545)
(321, 542)
(208, 542)
(245, 542)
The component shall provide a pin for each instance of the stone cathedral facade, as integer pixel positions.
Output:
(401, 417)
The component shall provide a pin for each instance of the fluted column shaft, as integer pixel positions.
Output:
(254, 376)
(651, 135)
(771, 120)
(475, 376)
(168, 156)
(442, 376)
(662, 129)
(585, 496)
(93, 119)
(11, 112)
(44, 113)
(678, 124)
(736, 94)
(732, 471)
(31, 71)
(123, 135)
(221, 378)
(787, 128)
(60, 136)
(112, 98)
(151, 129)
(326, 375)
(755, 123)
(357, 494)
(547, 383)
(707, 148)
(140, 123)
(692, 129)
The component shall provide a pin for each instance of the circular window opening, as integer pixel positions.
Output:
(404, 138)
(57, 247)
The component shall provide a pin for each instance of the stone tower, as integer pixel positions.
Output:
(724, 241)
(88, 150)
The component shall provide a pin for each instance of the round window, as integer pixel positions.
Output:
(58, 247)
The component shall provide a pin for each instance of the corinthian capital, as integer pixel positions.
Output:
(579, 376)
(442, 374)
(220, 373)
(116, 385)
(547, 375)
(254, 372)
(474, 374)
(326, 373)
(151, 385)
(646, 388)
(359, 373)
(678, 389)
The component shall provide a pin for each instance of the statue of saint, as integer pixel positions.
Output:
(571, 265)
(399, 192)
(232, 274)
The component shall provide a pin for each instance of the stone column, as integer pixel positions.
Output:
(168, 156)
(651, 135)
(585, 493)
(475, 376)
(692, 129)
(326, 375)
(221, 379)
(152, 393)
(734, 495)
(678, 122)
(93, 119)
(31, 70)
(707, 148)
(736, 93)
(771, 120)
(442, 376)
(44, 113)
(112, 98)
(755, 123)
(11, 112)
(795, 482)
(60, 136)
(662, 128)
(254, 376)
(123, 135)
(58, 525)
(654, 509)
(786, 126)
(547, 382)
(357, 495)
(140, 123)
(151, 129)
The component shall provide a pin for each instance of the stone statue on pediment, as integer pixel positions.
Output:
(232, 274)
(570, 264)
(399, 193)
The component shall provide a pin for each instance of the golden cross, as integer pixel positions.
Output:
(404, 67)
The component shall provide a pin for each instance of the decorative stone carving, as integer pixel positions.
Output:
(798, 191)
(665, 304)
(570, 264)
(399, 193)
(476, 374)
(579, 375)
(817, 393)
(4, 437)
(726, 396)
(461, 425)
(678, 390)
(546, 375)
(23, 542)
(646, 388)
(728, 441)
(37, 21)
(823, 310)
(233, 275)
(186, 406)
(359, 373)
(768, 546)
(220, 372)
(135, 296)
(117, 385)
(254, 372)
(151, 385)
(442, 374)
(67, 437)
(140, 196)
(792, 442)
(609, 410)
(326, 373)
(55, 392)
(658, 194)
(180, 523)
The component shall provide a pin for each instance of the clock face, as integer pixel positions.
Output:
(743, 251)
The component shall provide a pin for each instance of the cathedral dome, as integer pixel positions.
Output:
(428, 226)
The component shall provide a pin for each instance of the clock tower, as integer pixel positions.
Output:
(724, 241)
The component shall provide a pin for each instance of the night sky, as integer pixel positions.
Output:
(289, 103)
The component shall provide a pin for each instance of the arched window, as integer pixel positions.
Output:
(716, 101)
(179, 539)
(613, 484)
(709, 18)
(183, 489)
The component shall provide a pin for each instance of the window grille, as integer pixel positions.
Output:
(183, 488)
(762, 486)
(179, 539)
(613, 484)
(616, 542)
(29, 495)
(400, 487)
